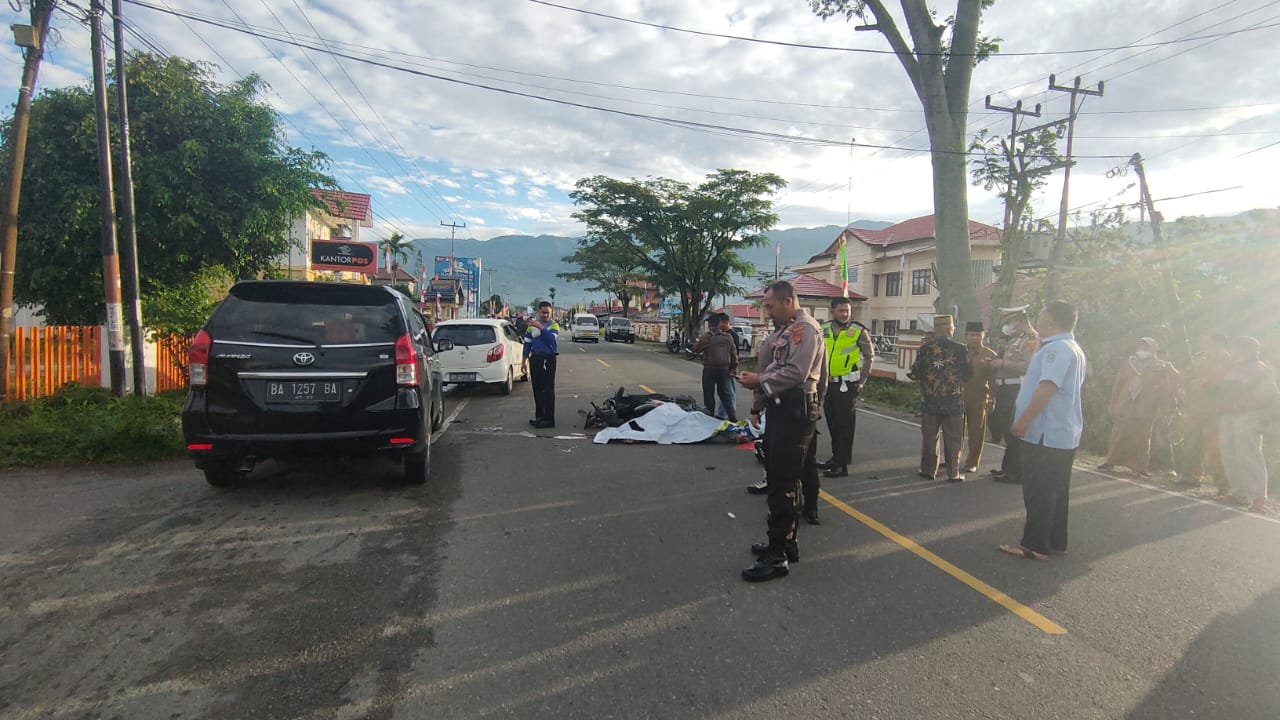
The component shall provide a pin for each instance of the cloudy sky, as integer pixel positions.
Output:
(567, 94)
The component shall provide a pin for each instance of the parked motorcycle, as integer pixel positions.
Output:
(673, 343)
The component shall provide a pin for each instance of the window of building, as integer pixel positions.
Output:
(893, 284)
(983, 272)
(891, 328)
(875, 285)
(874, 323)
(921, 282)
(915, 325)
(853, 274)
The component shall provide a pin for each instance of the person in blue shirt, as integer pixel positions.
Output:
(1048, 423)
(540, 347)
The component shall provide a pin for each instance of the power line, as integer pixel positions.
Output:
(370, 105)
(872, 51)
(687, 124)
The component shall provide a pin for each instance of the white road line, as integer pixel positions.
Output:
(1135, 483)
(449, 420)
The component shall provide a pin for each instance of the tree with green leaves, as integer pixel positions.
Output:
(396, 248)
(940, 68)
(551, 293)
(1017, 170)
(684, 238)
(215, 186)
(609, 269)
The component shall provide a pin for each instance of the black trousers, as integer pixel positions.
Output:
(790, 457)
(1000, 421)
(1046, 492)
(842, 420)
(718, 380)
(542, 374)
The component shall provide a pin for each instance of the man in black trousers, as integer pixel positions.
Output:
(1048, 426)
(540, 350)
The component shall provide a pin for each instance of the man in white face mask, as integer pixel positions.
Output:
(1143, 392)
(1020, 343)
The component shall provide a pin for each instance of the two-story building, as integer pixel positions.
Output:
(343, 216)
(894, 269)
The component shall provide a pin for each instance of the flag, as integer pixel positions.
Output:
(437, 307)
(844, 268)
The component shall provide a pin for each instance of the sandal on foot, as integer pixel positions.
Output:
(1020, 552)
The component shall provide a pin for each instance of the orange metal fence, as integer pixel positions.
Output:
(43, 359)
(171, 363)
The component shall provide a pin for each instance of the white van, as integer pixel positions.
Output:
(585, 327)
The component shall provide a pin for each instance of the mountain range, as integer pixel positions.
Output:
(524, 267)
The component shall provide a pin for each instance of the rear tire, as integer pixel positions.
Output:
(505, 387)
(222, 476)
(417, 465)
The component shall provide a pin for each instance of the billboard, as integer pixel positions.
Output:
(344, 255)
(468, 270)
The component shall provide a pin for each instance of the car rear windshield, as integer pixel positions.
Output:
(619, 322)
(466, 334)
(323, 315)
(585, 321)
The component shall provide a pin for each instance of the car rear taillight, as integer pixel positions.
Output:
(495, 353)
(198, 358)
(406, 361)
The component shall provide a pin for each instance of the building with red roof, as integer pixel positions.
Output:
(339, 215)
(814, 295)
(893, 270)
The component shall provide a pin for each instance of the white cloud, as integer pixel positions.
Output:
(509, 159)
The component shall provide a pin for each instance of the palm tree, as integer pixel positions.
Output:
(398, 249)
(552, 292)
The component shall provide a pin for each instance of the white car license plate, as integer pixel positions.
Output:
(303, 392)
(462, 377)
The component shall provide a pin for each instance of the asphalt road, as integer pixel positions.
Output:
(540, 576)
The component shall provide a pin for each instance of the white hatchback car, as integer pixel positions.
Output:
(484, 351)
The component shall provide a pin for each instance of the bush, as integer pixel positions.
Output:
(898, 395)
(88, 424)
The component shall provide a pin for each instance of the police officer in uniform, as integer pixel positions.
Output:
(1021, 343)
(849, 356)
(793, 371)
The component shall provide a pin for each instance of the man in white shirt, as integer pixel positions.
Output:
(1049, 421)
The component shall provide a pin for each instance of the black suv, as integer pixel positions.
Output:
(307, 369)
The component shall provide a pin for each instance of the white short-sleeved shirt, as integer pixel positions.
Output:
(1061, 362)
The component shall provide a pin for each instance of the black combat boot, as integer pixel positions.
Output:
(768, 566)
(792, 550)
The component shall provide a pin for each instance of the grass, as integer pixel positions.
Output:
(891, 393)
(81, 424)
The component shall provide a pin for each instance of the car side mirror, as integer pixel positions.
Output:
(444, 345)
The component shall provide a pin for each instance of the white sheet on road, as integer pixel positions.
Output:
(667, 424)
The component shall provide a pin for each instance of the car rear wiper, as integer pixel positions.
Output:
(286, 336)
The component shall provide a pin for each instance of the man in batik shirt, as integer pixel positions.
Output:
(941, 368)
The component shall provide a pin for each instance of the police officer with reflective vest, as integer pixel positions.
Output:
(793, 369)
(849, 356)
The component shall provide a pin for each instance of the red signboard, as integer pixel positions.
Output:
(344, 255)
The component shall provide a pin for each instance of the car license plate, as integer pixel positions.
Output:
(462, 377)
(297, 391)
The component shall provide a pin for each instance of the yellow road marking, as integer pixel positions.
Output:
(1043, 623)
(648, 389)
(602, 362)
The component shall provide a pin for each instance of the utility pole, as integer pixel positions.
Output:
(1060, 241)
(453, 228)
(110, 258)
(1008, 146)
(129, 249)
(1170, 286)
(31, 38)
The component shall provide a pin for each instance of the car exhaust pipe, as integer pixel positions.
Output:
(246, 464)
